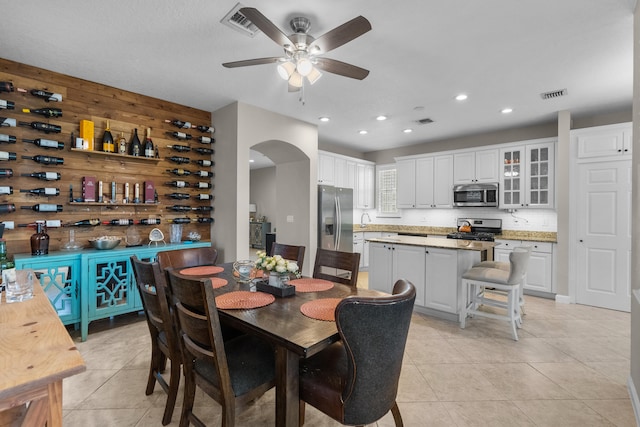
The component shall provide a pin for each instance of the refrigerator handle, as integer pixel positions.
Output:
(338, 225)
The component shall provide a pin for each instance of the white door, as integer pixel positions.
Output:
(604, 235)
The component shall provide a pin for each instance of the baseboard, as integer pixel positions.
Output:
(563, 299)
(633, 394)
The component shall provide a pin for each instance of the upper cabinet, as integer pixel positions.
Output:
(425, 182)
(527, 178)
(476, 166)
(605, 141)
(349, 172)
(326, 169)
(365, 186)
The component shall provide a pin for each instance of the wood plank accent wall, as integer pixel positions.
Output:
(84, 100)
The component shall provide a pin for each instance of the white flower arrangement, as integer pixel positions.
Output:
(276, 264)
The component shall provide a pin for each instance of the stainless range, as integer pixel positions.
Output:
(480, 229)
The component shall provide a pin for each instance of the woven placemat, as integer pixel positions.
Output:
(321, 309)
(243, 300)
(218, 282)
(204, 270)
(311, 285)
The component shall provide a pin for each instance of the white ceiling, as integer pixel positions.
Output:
(421, 53)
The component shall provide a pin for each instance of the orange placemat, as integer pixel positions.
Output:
(321, 309)
(243, 300)
(202, 270)
(218, 282)
(311, 285)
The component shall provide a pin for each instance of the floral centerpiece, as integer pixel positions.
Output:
(276, 265)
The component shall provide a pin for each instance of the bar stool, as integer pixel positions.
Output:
(477, 279)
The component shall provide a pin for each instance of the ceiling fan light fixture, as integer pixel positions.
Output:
(286, 69)
(296, 79)
(314, 75)
(304, 66)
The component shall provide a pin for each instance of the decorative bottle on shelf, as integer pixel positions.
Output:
(107, 140)
(148, 145)
(122, 144)
(40, 241)
(45, 112)
(135, 148)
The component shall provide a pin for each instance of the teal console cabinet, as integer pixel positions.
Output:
(92, 284)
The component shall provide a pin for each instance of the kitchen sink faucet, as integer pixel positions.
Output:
(362, 218)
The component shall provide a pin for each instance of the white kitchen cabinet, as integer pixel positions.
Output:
(365, 186)
(389, 262)
(326, 169)
(441, 284)
(380, 267)
(476, 166)
(605, 141)
(527, 179)
(540, 269)
(358, 246)
(425, 182)
(406, 183)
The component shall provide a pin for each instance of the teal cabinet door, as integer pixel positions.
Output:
(112, 288)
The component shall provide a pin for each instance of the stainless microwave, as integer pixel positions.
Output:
(485, 194)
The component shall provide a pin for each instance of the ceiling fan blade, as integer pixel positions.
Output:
(248, 62)
(341, 35)
(293, 88)
(341, 68)
(266, 26)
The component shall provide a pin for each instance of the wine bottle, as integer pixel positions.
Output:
(6, 155)
(204, 196)
(209, 129)
(7, 138)
(205, 220)
(148, 145)
(179, 196)
(205, 174)
(42, 127)
(135, 147)
(45, 176)
(205, 162)
(47, 96)
(7, 105)
(48, 191)
(50, 223)
(180, 221)
(7, 208)
(179, 172)
(6, 173)
(122, 144)
(201, 150)
(179, 124)
(180, 135)
(8, 87)
(118, 222)
(6, 190)
(7, 122)
(44, 207)
(85, 223)
(45, 160)
(191, 220)
(202, 208)
(177, 184)
(45, 143)
(205, 140)
(204, 185)
(149, 221)
(180, 148)
(177, 159)
(181, 208)
(107, 140)
(46, 112)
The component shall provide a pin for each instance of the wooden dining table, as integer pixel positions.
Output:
(293, 335)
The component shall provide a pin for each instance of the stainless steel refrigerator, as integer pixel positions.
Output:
(335, 218)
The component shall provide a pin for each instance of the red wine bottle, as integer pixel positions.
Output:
(204, 196)
(6, 155)
(177, 184)
(6, 190)
(118, 222)
(204, 185)
(45, 176)
(149, 221)
(47, 96)
(202, 208)
(42, 127)
(180, 221)
(205, 140)
(46, 112)
(201, 150)
(85, 223)
(44, 207)
(50, 223)
(179, 124)
(6, 173)
(7, 122)
(180, 135)
(135, 147)
(180, 148)
(45, 143)
(209, 129)
(181, 208)
(7, 208)
(179, 172)
(148, 145)
(179, 196)
(45, 160)
(48, 191)
(205, 163)
(107, 140)
(7, 105)
(10, 139)
(204, 174)
(8, 87)
(177, 159)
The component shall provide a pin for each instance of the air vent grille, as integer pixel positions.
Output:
(425, 121)
(236, 20)
(553, 94)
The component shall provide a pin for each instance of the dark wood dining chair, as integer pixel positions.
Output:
(233, 372)
(164, 339)
(190, 257)
(355, 380)
(337, 266)
(289, 252)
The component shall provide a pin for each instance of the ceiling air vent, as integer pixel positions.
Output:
(554, 94)
(239, 22)
(425, 121)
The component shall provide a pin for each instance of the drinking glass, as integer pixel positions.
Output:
(18, 284)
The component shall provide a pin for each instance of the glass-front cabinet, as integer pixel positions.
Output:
(527, 176)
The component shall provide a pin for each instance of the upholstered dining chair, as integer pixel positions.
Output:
(164, 339)
(337, 266)
(232, 372)
(289, 252)
(184, 258)
(355, 380)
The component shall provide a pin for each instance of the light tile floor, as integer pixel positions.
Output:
(569, 368)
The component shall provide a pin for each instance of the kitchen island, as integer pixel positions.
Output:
(433, 264)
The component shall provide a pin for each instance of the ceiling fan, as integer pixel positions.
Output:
(302, 52)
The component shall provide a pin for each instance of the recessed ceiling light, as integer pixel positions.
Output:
(407, 130)
(381, 118)
(363, 132)
(461, 97)
(506, 110)
(324, 119)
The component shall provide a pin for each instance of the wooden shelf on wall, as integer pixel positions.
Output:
(126, 157)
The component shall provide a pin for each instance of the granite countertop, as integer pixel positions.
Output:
(436, 242)
(534, 236)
